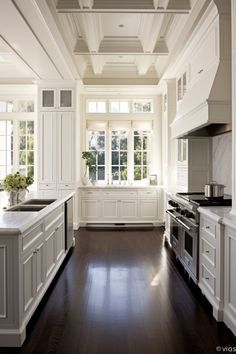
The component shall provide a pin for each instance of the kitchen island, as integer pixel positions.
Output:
(32, 249)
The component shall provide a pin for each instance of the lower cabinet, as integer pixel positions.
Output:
(119, 205)
(28, 264)
(230, 279)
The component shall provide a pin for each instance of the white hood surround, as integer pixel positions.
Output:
(207, 102)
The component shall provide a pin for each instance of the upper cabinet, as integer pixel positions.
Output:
(56, 99)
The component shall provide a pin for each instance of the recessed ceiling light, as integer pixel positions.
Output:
(121, 25)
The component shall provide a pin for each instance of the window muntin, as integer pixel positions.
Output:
(6, 148)
(97, 142)
(143, 106)
(96, 106)
(119, 155)
(142, 154)
(117, 106)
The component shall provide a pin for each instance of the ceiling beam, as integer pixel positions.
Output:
(120, 47)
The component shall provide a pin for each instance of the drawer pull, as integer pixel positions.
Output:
(56, 228)
(200, 71)
(34, 252)
(46, 185)
(66, 185)
(37, 250)
(207, 278)
(207, 227)
(207, 251)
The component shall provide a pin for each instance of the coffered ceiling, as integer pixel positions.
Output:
(98, 41)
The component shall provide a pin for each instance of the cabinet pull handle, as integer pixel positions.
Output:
(34, 252)
(46, 185)
(207, 278)
(56, 228)
(66, 185)
(200, 71)
(37, 249)
(207, 251)
(207, 227)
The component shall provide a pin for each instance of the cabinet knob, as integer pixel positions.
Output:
(207, 251)
(66, 185)
(200, 71)
(34, 252)
(207, 227)
(37, 249)
(56, 228)
(207, 278)
(46, 185)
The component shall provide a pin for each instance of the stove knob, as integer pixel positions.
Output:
(189, 215)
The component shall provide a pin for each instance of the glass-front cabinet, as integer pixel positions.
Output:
(54, 99)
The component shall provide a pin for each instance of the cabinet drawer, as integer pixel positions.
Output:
(66, 186)
(50, 186)
(31, 237)
(207, 278)
(89, 193)
(119, 194)
(208, 251)
(148, 193)
(208, 226)
(54, 218)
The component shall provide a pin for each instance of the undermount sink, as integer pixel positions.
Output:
(39, 202)
(27, 208)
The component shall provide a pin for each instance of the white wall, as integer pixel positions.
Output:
(222, 160)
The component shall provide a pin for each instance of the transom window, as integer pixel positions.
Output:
(16, 106)
(143, 106)
(119, 106)
(96, 106)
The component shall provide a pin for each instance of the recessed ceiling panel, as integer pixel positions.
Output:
(120, 25)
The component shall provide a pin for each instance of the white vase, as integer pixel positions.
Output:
(85, 178)
(12, 197)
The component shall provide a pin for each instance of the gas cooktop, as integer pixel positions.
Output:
(199, 199)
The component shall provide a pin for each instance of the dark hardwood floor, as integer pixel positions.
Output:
(121, 293)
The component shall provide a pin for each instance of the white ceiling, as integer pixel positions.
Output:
(127, 42)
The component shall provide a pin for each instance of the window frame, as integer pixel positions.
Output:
(96, 100)
(143, 101)
(119, 100)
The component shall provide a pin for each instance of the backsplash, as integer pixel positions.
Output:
(222, 160)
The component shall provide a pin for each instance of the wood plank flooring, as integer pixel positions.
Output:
(122, 293)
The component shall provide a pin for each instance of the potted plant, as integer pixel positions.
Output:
(91, 166)
(16, 184)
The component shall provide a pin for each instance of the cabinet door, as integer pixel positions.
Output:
(66, 149)
(128, 209)
(48, 99)
(28, 280)
(90, 209)
(39, 272)
(110, 209)
(47, 147)
(60, 241)
(50, 253)
(148, 209)
(65, 99)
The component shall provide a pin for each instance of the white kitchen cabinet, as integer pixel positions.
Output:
(211, 263)
(119, 205)
(56, 150)
(230, 280)
(52, 99)
(194, 164)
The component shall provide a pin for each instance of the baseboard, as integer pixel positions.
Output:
(12, 337)
(120, 225)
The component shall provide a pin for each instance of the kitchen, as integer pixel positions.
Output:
(147, 92)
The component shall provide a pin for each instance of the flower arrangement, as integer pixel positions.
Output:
(16, 182)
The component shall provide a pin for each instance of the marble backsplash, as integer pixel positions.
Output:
(222, 160)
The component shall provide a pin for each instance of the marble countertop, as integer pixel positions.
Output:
(117, 186)
(17, 222)
(217, 213)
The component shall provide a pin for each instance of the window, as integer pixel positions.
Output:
(119, 155)
(143, 106)
(17, 106)
(97, 141)
(26, 148)
(16, 147)
(96, 106)
(142, 152)
(119, 106)
(6, 148)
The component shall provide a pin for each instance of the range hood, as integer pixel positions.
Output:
(205, 109)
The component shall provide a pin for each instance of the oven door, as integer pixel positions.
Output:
(175, 232)
(189, 247)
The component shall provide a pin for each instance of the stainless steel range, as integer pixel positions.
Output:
(184, 227)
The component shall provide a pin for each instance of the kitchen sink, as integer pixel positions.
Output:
(27, 208)
(39, 202)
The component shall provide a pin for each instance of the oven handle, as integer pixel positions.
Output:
(171, 214)
(183, 224)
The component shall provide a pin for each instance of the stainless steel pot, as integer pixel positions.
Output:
(214, 190)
